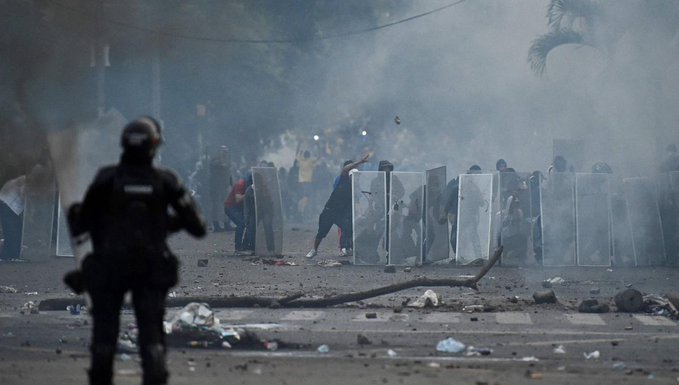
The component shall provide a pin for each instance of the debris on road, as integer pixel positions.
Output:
(7, 290)
(391, 353)
(592, 306)
(371, 315)
(544, 296)
(202, 262)
(529, 359)
(534, 375)
(363, 340)
(195, 325)
(450, 345)
(619, 365)
(323, 349)
(592, 355)
(559, 350)
(390, 269)
(329, 263)
(473, 351)
(29, 308)
(550, 282)
(658, 305)
(629, 300)
(428, 300)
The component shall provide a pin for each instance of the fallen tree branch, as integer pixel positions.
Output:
(295, 300)
(418, 282)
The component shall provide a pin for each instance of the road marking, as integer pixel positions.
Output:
(654, 321)
(513, 318)
(443, 318)
(303, 315)
(233, 315)
(585, 319)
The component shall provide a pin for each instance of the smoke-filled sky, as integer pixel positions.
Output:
(458, 79)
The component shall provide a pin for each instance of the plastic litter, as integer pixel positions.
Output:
(619, 365)
(450, 345)
(559, 350)
(592, 356)
(472, 351)
(392, 353)
(428, 299)
(7, 290)
(74, 310)
(323, 349)
(29, 308)
(329, 263)
(529, 359)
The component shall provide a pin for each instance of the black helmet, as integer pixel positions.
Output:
(142, 137)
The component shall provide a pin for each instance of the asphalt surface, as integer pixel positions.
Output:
(398, 344)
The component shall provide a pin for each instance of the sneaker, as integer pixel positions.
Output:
(343, 252)
(312, 254)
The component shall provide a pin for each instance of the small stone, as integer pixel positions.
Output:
(370, 315)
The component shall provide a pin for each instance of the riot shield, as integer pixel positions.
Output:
(515, 217)
(77, 154)
(644, 218)
(40, 194)
(268, 212)
(63, 245)
(592, 213)
(369, 215)
(671, 218)
(436, 223)
(474, 218)
(557, 208)
(623, 249)
(405, 218)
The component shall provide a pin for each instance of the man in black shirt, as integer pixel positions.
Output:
(337, 210)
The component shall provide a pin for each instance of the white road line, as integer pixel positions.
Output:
(585, 319)
(654, 320)
(303, 315)
(443, 318)
(513, 318)
(233, 315)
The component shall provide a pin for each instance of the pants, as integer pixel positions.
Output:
(149, 309)
(11, 231)
(331, 217)
(238, 217)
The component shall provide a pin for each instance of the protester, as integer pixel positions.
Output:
(337, 209)
(234, 209)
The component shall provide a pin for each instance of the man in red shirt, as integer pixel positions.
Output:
(233, 208)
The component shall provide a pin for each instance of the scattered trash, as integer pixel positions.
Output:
(592, 306)
(271, 346)
(278, 262)
(371, 315)
(544, 296)
(29, 308)
(595, 291)
(434, 365)
(450, 345)
(390, 269)
(548, 283)
(592, 356)
(31, 293)
(427, 300)
(559, 350)
(658, 305)
(202, 262)
(529, 359)
(407, 269)
(195, 325)
(392, 353)
(629, 300)
(74, 310)
(619, 365)
(363, 340)
(472, 351)
(7, 290)
(323, 349)
(534, 375)
(473, 308)
(329, 263)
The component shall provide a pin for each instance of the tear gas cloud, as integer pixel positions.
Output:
(458, 79)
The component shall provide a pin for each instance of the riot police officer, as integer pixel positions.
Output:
(128, 211)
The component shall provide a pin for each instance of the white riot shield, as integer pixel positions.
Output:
(671, 223)
(644, 218)
(63, 240)
(515, 217)
(623, 249)
(405, 218)
(558, 220)
(592, 213)
(268, 212)
(436, 223)
(77, 154)
(474, 218)
(40, 201)
(369, 215)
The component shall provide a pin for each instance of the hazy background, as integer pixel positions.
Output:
(262, 76)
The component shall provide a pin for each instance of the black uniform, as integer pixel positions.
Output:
(129, 211)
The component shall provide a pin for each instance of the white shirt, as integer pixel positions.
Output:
(12, 193)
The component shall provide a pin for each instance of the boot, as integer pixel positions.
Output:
(101, 367)
(153, 362)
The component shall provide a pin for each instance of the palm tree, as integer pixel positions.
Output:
(570, 22)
